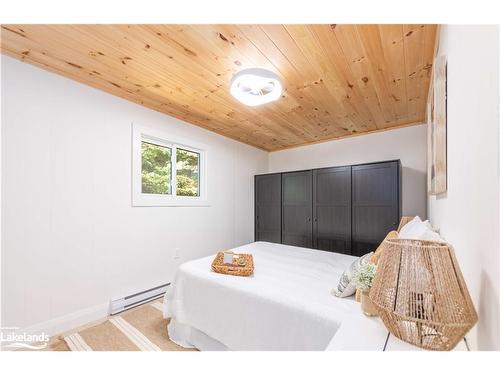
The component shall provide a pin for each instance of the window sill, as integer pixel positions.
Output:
(169, 202)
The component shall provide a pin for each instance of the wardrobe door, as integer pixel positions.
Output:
(268, 208)
(297, 208)
(332, 209)
(375, 204)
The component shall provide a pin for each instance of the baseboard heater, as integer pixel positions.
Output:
(118, 305)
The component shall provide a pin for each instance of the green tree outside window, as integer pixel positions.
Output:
(156, 169)
(188, 174)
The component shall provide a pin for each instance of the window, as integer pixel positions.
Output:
(166, 172)
(188, 173)
(156, 170)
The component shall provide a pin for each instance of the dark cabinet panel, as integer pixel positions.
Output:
(297, 208)
(375, 204)
(268, 208)
(332, 209)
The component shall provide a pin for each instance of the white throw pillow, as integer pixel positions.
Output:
(416, 229)
(428, 224)
(413, 229)
(430, 235)
(346, 287)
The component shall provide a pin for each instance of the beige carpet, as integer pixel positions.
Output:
(140, 329)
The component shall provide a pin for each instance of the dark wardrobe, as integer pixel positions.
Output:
(346, 209)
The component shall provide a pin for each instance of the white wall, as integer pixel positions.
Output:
(71, 240)
(407, 144)
(468, 215)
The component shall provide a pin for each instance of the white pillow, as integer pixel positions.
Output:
(416, 229)
(428, 224)
(413, 229)
(346, 287)
(430, 235)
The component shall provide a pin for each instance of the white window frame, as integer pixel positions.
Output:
(162, 138)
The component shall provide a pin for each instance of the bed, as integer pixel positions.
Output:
(285, 305)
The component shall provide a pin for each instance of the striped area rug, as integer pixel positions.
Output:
(139, 329)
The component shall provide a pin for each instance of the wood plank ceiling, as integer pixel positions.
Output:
(339, 80)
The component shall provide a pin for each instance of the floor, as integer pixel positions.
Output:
(139, 329)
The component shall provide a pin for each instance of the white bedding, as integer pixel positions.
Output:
(286, 305)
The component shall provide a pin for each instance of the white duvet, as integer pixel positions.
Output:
(286, 305)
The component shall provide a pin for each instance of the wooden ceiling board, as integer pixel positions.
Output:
(310, 88)
(339, 80)
(218, 95)
(327, 83)
(301, 103)
(232, 47)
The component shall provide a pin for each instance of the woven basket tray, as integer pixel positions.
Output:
(219, 266)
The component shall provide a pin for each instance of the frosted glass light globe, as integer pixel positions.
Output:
(256, 86)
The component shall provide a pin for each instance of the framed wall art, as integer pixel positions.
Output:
(436, 131)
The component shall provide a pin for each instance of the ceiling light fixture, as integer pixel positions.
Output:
(256, 86)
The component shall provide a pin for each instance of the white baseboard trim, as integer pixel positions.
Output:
(66, 323)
